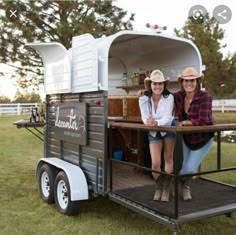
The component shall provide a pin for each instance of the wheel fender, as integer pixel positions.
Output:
(76, 177)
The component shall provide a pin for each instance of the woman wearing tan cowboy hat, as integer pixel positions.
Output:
(193, 108)
(157, 110)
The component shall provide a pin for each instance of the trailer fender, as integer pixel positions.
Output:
(76, 177)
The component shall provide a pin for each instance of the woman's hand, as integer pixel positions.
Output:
(151, 121)
(141, 93)
(185, 123)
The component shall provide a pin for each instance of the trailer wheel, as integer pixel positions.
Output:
(46, 183)
(63, 195)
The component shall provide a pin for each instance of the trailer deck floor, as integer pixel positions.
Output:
(206, 195)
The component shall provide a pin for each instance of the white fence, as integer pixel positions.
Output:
(16, 109)
(224, 105)
(24, 108)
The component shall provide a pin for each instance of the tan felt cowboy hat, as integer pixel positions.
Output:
(189, 74)
(156, 76)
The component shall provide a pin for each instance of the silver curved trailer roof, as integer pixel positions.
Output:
(95, 64)
(133, 50)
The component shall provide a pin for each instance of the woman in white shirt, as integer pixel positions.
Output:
(156, 108)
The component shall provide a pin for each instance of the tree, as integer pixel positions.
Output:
(4, 99)
(54, 20)
(28, 97)
(228, 84)
(207, 35)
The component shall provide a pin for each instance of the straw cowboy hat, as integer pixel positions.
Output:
(189, 74)
(156, 76)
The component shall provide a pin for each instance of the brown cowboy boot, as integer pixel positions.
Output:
(166, 188)
(172, 186)
(186, 188)
(158, 191)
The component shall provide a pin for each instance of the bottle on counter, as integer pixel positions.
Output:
(124, 79)
(142, 76)
(129, 78)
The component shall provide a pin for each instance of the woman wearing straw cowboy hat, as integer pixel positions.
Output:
(193, 107)
(157, 110)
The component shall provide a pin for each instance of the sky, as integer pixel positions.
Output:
(173, 14)
(170, 13)
(7, 84)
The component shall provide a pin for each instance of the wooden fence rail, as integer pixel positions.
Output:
(224, 105)
(16, 108)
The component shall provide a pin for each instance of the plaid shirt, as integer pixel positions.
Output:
(199, 113)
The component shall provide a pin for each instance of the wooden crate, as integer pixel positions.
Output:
(132, 106)
(123, 106)
(115, 106)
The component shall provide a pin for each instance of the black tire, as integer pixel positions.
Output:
(46, 183)
(62, 195)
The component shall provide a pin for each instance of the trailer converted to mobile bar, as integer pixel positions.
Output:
(92, 112)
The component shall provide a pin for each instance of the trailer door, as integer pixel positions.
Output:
(57, 67)
(84, 64)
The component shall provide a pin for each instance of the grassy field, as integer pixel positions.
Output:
(23, 212)
(227, 117)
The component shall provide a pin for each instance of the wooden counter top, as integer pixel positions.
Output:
(125, 119)
(184, 129)
(27, 123)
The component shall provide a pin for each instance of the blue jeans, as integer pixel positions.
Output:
(159, 138)
(193, 158)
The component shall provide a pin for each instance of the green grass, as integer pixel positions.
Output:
(23, 212)
(227, 117)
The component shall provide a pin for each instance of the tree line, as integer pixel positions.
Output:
(27, 97)
(61, 20)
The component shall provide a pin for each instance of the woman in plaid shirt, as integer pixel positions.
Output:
(193, 108)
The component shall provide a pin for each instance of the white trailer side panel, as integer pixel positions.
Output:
(84, 64)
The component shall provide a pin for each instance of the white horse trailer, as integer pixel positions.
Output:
(89, 87)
